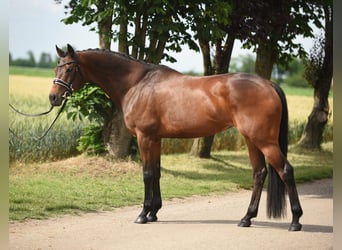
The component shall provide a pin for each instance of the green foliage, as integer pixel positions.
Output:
(293, 74)
(93, 104)
(243, 63)
(277, 31)
(296, 80)
(90, 102)
(91, 141)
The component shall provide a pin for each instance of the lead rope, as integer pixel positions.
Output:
(44, 113)
(31, 115)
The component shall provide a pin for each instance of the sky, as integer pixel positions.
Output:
(36, 25)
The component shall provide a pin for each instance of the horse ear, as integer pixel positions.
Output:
(60, 52)
(71, 51)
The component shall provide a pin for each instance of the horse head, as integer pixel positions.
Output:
(68, 76)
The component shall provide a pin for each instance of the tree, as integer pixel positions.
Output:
(272, 35)
(319, 72)
(31, 59)
(45, 60)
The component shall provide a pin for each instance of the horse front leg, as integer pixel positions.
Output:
(150, 150)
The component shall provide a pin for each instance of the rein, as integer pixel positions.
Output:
(30, 115)
(49, 128)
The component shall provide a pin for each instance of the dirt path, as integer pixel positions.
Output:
(194, 223)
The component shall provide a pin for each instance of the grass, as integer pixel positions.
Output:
(291, 90)
(83, 184)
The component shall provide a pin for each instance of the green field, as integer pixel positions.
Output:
(26, 71)
(50, 177)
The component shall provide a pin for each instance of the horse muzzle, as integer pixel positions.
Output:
(57, 100)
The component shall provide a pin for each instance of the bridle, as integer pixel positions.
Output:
(68, 86)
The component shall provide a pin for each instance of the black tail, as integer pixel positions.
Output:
(276, 204)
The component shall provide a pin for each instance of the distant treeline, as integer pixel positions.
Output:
(45, 61)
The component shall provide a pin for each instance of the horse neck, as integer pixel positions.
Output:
(114, 74)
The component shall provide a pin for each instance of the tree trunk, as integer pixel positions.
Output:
(201, 147)
(264, 60)
(105, 27)
(116, 137)
(313, 133)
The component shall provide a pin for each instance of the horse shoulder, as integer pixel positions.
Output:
(138, 110)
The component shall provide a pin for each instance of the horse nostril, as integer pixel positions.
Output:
(53, 99)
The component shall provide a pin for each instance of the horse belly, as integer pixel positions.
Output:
(189, 123)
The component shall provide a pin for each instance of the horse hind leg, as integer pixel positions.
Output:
(297, 212)
(286, 174)
(257, 160)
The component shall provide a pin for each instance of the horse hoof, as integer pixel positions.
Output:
(295, 227)
(152, 218)
(141, 220)
(245, 223)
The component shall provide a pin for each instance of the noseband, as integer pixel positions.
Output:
(65, 84)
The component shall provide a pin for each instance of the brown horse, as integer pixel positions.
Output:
(159, 102)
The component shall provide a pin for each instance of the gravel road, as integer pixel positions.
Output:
(193, 223)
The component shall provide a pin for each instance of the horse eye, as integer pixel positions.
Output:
(68, 70)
